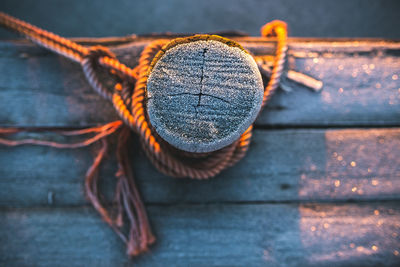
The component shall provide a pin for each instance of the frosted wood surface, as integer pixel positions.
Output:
(201, 96)
(281, 165)
(35, 82)
(363, 234)
(251, 215)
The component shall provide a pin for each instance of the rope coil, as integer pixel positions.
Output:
(128, 97)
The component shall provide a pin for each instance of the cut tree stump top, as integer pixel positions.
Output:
(319, 186)
(203, 93)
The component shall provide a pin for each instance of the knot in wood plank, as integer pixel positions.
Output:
(203, 93)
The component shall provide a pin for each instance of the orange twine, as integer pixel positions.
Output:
(128, 97)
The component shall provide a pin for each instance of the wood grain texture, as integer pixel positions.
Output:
(359, 88)
(281, 165)
(309, 192)
(202, 95)
(210, 235)
(118, 18)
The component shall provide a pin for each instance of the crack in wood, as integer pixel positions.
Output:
(205, 94)
(201, 82)
(202, 75)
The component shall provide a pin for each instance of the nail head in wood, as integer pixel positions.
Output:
(203, 92)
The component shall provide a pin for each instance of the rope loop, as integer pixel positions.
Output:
(278, 29)
(91, 69)
(128, 95)
(98, 51)
(273, 28)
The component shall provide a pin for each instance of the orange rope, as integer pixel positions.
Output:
(128, 97)
(101, 132)
(278, 29)
(168, 160)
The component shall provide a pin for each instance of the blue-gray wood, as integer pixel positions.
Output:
(243, 234)
(281, 166)
(314, 190)
(360, 85)
(203, 95)
(340, 18)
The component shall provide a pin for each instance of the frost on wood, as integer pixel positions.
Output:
(201, 96)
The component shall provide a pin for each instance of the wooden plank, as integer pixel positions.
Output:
(127, 17)
(210, 235)
(361, 85)
(281, 165)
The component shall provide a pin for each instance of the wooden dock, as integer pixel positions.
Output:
(320, 185)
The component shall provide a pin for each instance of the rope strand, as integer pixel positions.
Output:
(128, 97)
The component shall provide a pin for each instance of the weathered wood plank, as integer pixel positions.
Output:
(127, 17)
(208, 222)
(281, 165)
(210, 235)
(361, 86)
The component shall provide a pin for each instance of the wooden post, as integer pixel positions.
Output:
(203, 92)
(258, 207)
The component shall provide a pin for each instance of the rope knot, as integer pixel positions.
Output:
(98, 51)
(128, 96)
(91, 63)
